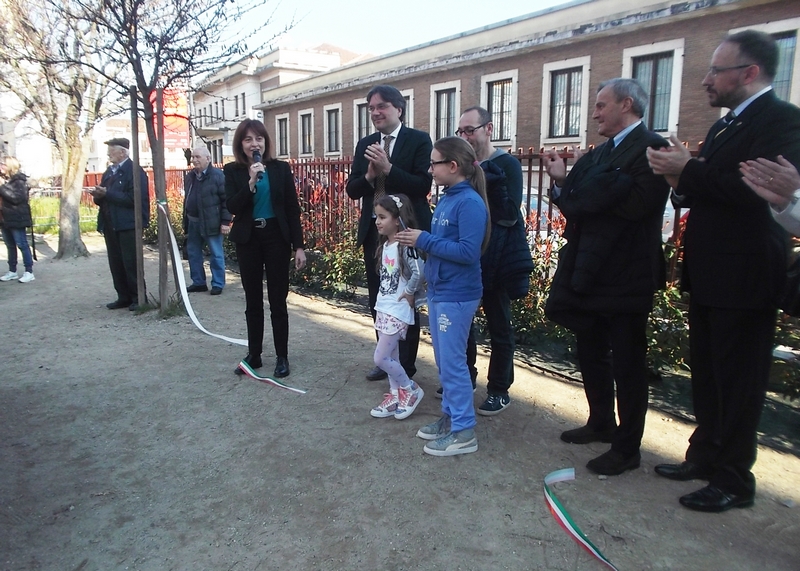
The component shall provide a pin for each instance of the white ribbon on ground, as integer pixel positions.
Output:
(176, 256)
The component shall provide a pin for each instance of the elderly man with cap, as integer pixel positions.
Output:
(117, 220)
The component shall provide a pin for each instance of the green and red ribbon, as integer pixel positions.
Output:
(248, 370)
(564, 519)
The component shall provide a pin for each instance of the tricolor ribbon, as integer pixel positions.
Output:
(248, 370)
(564, 519)
(176, 256)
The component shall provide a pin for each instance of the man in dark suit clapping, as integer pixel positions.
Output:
(734, 268)
(608, 270)
(394, 160)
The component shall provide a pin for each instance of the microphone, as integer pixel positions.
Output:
(257, 159)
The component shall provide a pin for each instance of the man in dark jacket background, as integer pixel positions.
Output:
(609, 269)
(117, 220)
(205, 220)
(506, 264)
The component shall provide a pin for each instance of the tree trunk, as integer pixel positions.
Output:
(70, 244)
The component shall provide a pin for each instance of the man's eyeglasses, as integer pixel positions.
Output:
(434, 163)
(379, 107)
(713, 71)
(469, 131)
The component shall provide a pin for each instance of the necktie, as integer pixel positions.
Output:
(380, 180)
(726, 122)
(606, 151)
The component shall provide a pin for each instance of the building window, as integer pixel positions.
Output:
(499, 107)
(282, 129)
(222, 108)
(244, 106)
(333, 131)
(787, 44)
(445, 108)
(235, 105)
(658, 67)
(216, 111)
(408, 117)
(565, 96)
(654, 73)
(362, 124)
(445, 113)
(306, 131)
(565, 103)
(499, 98)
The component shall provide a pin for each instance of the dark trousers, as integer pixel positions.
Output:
(266, 254)
(121, 249)
(613, 351)
(731, 353)
(497, 309)
(408, 347)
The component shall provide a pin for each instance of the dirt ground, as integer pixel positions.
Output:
(126, 442)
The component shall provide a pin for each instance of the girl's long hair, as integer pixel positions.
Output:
(398, 206)
(458, 150)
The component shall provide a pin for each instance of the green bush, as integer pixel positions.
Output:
(45, 212)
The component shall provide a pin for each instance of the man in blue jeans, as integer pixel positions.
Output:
(205, 220)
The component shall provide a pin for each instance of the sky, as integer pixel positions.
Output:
(349, 24)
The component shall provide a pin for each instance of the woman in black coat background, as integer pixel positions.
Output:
(16, 218)
(266, 228)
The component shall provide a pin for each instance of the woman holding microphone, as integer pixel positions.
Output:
(261, 195)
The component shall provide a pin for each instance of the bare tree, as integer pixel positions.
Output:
(38, 52)
(166, 44)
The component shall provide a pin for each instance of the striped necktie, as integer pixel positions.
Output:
(380, 180)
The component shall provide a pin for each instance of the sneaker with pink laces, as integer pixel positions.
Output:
(387, 407)
(407, 401)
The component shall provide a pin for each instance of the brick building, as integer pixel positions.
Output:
(537, 74)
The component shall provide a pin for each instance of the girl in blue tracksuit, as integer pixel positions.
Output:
(459, 234)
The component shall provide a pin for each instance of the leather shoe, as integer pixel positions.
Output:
(133, 306)
(376, 374)
(216, 290)
(195, 288)
(253, 360)
(613, 463)
(587, 434)
(683, 471)
(281, 367)
(118, 304)
(712, 499)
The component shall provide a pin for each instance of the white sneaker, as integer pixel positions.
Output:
(26, 277)
(9, 276)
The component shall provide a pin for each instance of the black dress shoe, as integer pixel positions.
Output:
(587, 434)
(281, 367)
(133, 306)
(712, 499)
(119, 304)
(683, 471)
(613, 463)
(253, 360)
(376, 374)
(195, 288)
(216, 290)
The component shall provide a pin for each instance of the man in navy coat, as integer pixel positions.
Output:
(117, 220)
(734, 267)
(394, 160)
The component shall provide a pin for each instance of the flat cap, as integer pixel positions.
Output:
(119, 142)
